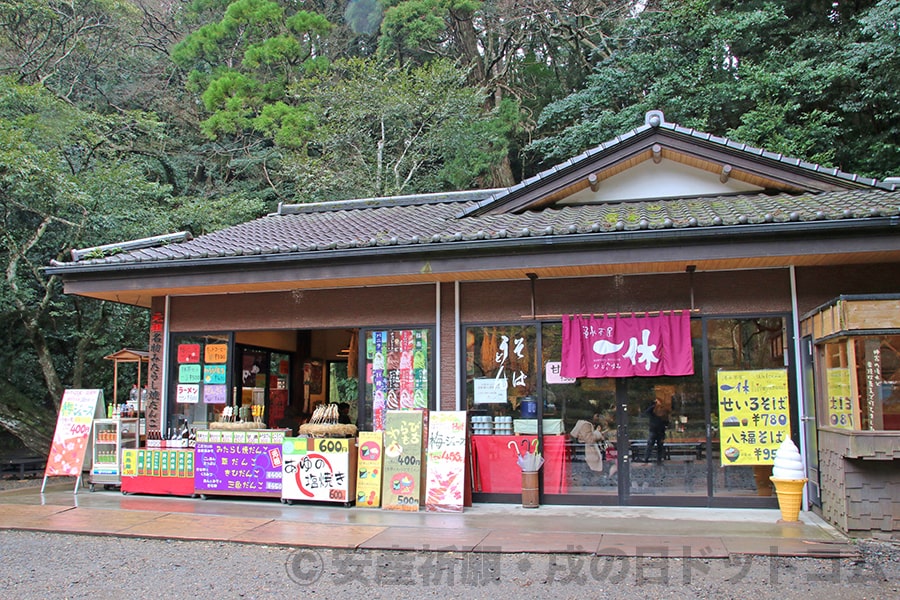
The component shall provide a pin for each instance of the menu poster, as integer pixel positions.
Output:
(446, 461)
(402, 465)
(368, 478)
(753, 415)
(77, 411)
(319, 469)
(840, 403)
(201, 373)
(230, 468)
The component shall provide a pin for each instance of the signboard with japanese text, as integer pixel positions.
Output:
(368, 479)
(153, 407)
(201, 373)
(627, 346)
(236, 468)
(445, 461)
(402, 467)
(490, 390)
(319, 469)
(840, 404)
(77, 411)
(754, 415)
(554, 374)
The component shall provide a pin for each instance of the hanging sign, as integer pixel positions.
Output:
(754, 415)
(616, 346)
(77, 411)
(446, 461)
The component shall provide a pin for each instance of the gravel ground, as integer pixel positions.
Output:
(35, 565)
(49, 565)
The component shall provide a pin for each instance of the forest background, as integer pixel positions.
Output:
(123, 119)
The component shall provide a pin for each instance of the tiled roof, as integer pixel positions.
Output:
(655, 120)
(433, 220)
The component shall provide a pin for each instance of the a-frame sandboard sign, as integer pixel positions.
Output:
(73, 434)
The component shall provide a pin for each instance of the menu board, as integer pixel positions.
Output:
(402, 467)
(73, 428)
(201, 374)
(754, 415)
(446, 461)
(319, 469)
(840, 404)
(236, 468)
(368, 479)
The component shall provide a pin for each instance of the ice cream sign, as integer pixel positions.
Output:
(754, 415)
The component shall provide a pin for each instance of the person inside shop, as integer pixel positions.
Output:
(606, 425)
(344, 414)
(658, 413)
(594, 442)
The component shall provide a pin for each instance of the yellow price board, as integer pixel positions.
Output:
(840, 405)
(754, 415)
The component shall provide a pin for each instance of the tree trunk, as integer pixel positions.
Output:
(31, 423)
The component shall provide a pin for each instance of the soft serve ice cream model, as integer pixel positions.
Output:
(789, 477)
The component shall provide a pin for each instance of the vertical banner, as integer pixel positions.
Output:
(397, 375)
(153, 408)
(368, 479)
(754, 415)
(446, 461)
(402, 468)
(73, 429)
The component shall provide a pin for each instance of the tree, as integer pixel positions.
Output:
(64, 185)
(793, 79)
(384, 132)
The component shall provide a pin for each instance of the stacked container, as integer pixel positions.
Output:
(503, 426)
(482, 425)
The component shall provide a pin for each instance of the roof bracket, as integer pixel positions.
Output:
(657, 153)
(594, 182)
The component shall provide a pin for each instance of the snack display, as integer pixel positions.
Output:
(324, 423)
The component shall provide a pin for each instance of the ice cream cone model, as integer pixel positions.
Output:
(789, 477)
(790, 497)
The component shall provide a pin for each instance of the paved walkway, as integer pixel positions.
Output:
(622, 531)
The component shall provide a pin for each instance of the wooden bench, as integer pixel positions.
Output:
(670, 449)
(33, 463)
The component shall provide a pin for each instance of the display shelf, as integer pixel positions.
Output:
(111, 437)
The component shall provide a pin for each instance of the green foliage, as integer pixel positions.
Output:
(242, 64)
(394, 131)
(765, 73)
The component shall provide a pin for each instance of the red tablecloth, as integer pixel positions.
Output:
(496, 470)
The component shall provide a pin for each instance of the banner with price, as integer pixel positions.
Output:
(402, 469)
(77, 411)
(446, 461)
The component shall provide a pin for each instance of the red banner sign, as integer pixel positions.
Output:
(616, 346)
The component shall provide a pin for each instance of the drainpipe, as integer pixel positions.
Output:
(164, 392)
(458, 339)
(801, 391)
(437, 343)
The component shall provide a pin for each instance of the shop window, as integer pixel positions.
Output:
(398, 373)
(200, 380)
(501, 371)
(747, 354)
(862, 383)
